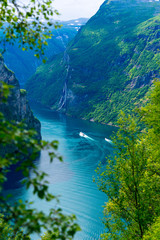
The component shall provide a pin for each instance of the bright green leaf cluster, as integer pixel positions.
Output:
(154, 231)
(131, 179)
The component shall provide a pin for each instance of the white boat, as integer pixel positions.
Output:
(107, 140)
(82, 134)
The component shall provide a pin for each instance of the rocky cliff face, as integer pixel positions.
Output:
(17, 107)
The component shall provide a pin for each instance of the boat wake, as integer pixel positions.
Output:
(81, 134)
(108, 140)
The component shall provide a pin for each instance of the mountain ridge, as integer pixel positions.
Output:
(24, 63)
(111, 64)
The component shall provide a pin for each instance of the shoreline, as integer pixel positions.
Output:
(72, 116)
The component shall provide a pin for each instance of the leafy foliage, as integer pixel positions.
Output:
(27, 22)
(6, 231)
(154, 231)
(131, 179)
(24, 64)
(19, 148)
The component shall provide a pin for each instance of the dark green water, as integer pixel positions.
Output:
(72, 179)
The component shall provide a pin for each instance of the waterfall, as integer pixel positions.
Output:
(63, 99)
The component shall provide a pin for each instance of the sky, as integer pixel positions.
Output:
(72, 9)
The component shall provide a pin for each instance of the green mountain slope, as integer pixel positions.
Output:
(24, 64)
(108, 66)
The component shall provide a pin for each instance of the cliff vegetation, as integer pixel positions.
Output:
(108, 66)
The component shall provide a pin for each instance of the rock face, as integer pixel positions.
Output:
(108, 66)
(17, 107)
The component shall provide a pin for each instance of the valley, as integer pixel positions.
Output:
(82, 127)
(111, 64)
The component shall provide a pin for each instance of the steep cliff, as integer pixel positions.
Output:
(109, 65)
(17, 107)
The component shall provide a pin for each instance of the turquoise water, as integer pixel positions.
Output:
(72, 179)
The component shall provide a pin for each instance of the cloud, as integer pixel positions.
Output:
(72, 9)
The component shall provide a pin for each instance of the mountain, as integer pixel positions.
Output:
(108, 66)
(17, 107)
(24, 63)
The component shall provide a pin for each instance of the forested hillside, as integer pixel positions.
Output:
(107, 67)
(24, 64)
